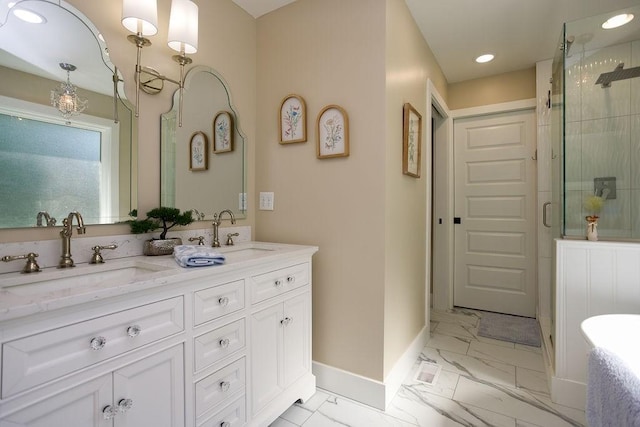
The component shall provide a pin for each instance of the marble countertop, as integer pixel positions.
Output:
(27, 294)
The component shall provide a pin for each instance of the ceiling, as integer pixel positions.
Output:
(518, 32)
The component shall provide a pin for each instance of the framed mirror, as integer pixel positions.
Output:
(53, 163)
(210, 128)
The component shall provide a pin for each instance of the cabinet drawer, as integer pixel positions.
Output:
(215, 302)
(276, 282)
(233, 415)
(213, 346)
(219, 386)
(34, 360)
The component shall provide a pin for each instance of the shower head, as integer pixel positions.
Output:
(620, 73)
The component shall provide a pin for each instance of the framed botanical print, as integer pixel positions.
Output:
(411, 141)
(223, 132)
(198, 152)
(332, 128)
(292, 120)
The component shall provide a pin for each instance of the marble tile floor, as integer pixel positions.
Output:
(482, 382)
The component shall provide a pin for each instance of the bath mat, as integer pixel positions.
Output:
(504, 327)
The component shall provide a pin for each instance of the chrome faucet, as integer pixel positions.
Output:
(217, 218)
(65, 234)
(50, 221)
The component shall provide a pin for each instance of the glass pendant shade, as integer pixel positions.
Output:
(140, 16)
(183, 26)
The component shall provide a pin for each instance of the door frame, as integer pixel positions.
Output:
(443, 291)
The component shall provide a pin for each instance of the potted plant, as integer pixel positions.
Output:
(160, 218)
(593, 205)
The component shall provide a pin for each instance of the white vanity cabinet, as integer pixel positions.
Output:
(281, 345)
(225, 346)
(280, 338)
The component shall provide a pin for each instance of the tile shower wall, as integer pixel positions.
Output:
(601, 139)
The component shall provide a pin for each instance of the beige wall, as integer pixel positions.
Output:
(409, 63)
(329, 52)
(506, 87)
(227, 43)
(368, 57)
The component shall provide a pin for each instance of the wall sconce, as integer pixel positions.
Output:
(141, 18)
(65, 97)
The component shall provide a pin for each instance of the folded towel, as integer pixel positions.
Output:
(613, 391)
(196, 256)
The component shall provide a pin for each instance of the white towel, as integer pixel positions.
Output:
(197, 256)
(613, 391)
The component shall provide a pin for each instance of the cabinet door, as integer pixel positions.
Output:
(296, 350)
(80, 406)
(154, 390)
(266, 352)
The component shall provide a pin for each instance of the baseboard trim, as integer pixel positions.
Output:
(568, 393)
(366, 390)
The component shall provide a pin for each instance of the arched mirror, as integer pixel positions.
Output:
(52, 162)
(203, 162)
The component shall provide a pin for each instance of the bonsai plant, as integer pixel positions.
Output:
(160, 218)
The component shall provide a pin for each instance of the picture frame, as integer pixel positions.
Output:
(332, 131)
(198, 152)
(223, 131)
(411, 141)
(292, 120)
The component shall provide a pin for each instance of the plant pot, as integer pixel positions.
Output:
(160, 247)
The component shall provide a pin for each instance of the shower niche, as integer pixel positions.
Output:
(596, 126)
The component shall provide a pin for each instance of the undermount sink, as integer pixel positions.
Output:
(616, 333)
(116, 272)
(235, 253)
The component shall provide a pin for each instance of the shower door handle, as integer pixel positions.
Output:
(544, 214)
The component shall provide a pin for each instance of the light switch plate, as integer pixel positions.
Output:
(266, 201)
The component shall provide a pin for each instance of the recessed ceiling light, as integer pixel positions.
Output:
(484, 58)
(617, 21)
(29, 16)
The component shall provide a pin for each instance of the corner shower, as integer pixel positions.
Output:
(596, 127)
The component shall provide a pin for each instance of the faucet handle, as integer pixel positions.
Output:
(30, 267)
(97, 258)
(200, 240)
(230, 238)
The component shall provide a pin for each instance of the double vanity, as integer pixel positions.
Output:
(140, 341)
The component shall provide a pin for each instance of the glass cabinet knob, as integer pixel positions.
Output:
(291, 279)
(97, 343)
(109, 412)
(125, 404)
(278, 283)
(134, 330)
(224, 343)
(223, 301)
(225, 386)
(225, 424)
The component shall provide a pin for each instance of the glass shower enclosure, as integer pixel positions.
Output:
(595, 131)
(596, 127)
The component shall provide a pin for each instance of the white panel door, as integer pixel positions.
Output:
(296, 338)
(495, 242)
(80, 406)
(154, 387)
